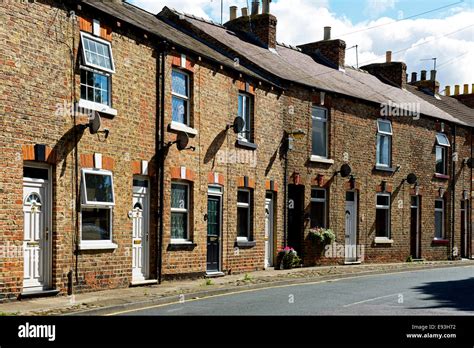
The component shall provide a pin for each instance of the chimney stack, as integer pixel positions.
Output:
(255, 7)
(423, 75)
(327, 33)
(424, 84)
(447, 91)
(233, 12)
(389, 72)
(328, 52)
(266, 6)
(261, 26)
(414, 77)
(466, 98)
(388, 56)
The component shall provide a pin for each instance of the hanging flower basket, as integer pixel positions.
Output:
(322, 236)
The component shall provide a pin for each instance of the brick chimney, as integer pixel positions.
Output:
(430, 85)
(328, 52)
(261, 26)
(466, 98)
(390, 72)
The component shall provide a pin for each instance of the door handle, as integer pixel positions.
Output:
(47, 233)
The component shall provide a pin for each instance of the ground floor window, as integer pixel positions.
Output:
(382, 218)
(180, 212)
(244, 214)
(439, 219)
(318, 208)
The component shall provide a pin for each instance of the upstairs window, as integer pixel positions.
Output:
(180, 97)
(97, 65)
(442, 144)
(320, 132)
(439, 219)
(245, 112)
(384, 143)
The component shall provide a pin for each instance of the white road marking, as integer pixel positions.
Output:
(370, 300)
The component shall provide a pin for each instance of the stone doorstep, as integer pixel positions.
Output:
(134, 297)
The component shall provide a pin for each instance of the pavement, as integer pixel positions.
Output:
(170, 292)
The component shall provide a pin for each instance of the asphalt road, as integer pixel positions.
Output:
(448, 291)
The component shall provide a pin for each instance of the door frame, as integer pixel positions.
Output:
(148, 222)
(356, 226)
(418, 227)
(271, 239)
(47, 254)
(220, 195)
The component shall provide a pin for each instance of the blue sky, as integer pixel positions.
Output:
(447, 34)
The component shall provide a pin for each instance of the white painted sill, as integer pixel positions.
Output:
(181, 242)
(90, 105)
(242, 239)
(318, 159)
(98, 246)
(179, 127)
(383, 240)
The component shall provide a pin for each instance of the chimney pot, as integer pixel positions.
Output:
(423, 75)
(472, 90)
(456, 89)
(447, 91)
(233, 12)
(327, 33)
(266, 6)
(388, 56)
(466, 89)
(245, 11)
(433, 75)
(414, 76)
(255, 7)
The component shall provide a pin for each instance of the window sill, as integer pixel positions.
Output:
(245, 243)
(441, 176)
(181, 245)
(180, 242)
(180, 127)
(246, 144)
(98, 246)
(102, 108)
(384, 169)
(383, 240)
(440, 242)
(317, 159)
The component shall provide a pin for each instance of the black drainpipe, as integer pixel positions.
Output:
(285, 194)
(160, 140)
(453, 190)
(470, 206)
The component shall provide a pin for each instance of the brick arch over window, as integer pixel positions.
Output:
(182, 173)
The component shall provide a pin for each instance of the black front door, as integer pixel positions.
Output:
(295, 217)
(415, 237)
(213, 232)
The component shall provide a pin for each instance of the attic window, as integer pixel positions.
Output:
(97, 53)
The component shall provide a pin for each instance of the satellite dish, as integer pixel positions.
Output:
(238, 124)
(412, 179)
(346, 170)
(182, 141)
(94, 123)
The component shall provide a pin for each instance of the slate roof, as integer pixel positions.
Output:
(150, 23)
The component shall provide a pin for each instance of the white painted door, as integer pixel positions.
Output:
(268, 232)
(36, 240)
(351, 227)
(140, 233)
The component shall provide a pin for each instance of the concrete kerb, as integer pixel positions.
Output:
(174, 299)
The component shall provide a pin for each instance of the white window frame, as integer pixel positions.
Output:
(88, 203)
(384, 207)
(246, 98)
(85, 204)
(101, 41)
(181, 211)
(109, 89)
(444, 148)
(321, 200)
(187, 98)
(388, 135)
(249, 219)
(442, 211)
(325, 121)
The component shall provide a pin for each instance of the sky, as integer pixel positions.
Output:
(414, 30)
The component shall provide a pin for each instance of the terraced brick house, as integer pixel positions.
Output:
(140, 147)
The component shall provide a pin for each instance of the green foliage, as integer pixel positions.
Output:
(322, 236)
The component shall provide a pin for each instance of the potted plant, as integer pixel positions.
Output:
(287, 258)
(322, 236)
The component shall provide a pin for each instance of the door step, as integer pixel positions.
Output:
(214, 274)
(144, 282)
(418, 260)
(39, 293)
(352, 262)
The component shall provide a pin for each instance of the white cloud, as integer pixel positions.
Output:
(302, 21)
(374, 8)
